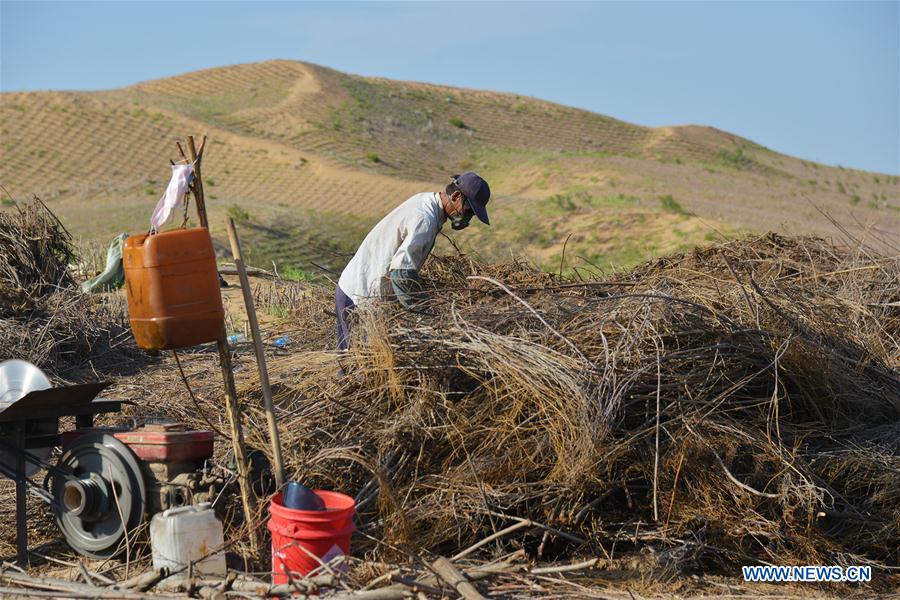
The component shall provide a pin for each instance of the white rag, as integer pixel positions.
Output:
(178, 187)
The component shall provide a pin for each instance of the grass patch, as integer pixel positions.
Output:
(373, 157)
(565, 202)
(670, 204)
(149, 191)
(239, 214)
(735, 159)
(458, 123)
(854, 199)
(292, 273)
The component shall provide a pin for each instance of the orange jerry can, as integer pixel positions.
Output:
(172, 284)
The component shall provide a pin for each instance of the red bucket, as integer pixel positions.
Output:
(297, 534)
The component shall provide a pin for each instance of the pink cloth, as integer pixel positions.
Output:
(172, 199)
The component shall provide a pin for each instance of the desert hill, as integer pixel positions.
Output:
(306, 157)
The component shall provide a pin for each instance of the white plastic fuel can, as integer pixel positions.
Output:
(187, 534)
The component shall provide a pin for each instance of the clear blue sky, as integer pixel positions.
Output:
(819, 80)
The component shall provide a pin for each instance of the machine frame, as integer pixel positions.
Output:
(79, 401)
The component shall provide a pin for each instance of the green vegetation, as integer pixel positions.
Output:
(239, 214)
(7, 202)
(373, 157)
(291, 273)
(149, 191)
(734, 158)
(670, 204)
(854, 199)
(578, 230)
(457, 123)
(210, 182)
(579, 199)
(295, 239)
(564, 201)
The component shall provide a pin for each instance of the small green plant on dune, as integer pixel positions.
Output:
(670, 204)
(292, 273)
(239, 214)
(210, 182)
(7, 202)
(564, 201)
(854, 199)
(149, 191)
(373, 157)
(734, 158)
(458, 123)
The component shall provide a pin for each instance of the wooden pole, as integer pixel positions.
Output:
(260, 353)
(232, 408)
(457, 580)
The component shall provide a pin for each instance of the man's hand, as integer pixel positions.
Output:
(409, 291)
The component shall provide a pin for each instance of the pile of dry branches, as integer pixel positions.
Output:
(44, 319)
(734, 405)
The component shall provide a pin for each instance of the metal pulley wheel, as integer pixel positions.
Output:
(102, 498)
(17, 379)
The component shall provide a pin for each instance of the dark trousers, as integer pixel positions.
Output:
(342, 307)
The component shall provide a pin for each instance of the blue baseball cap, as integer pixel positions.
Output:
(477, 193)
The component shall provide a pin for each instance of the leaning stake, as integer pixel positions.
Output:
(231, 404)
(260, 353)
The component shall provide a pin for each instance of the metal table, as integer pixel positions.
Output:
(79, 401)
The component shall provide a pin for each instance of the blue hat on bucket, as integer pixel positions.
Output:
(477, 193)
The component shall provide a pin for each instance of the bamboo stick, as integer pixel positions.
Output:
(260, 353)
(233, 410)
